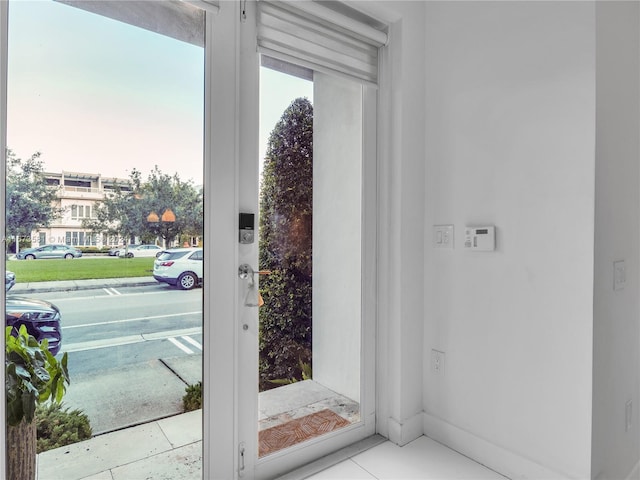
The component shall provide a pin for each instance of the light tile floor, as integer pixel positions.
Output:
(423, 459)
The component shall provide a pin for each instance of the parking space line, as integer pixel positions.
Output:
(129, 339)
(182, 347)
(192, 342)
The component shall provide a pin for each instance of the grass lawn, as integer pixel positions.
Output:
(79, 268)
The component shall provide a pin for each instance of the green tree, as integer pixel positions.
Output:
(30, 202)
(162, 192)
(125, 211)
(285, 246)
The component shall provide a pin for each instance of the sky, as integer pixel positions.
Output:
(95, 95)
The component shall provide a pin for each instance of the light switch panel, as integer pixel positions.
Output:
(443, 236)
(619, 275)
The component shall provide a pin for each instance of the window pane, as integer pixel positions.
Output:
(116, 108)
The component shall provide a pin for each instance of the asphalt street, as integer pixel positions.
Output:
(132, 351)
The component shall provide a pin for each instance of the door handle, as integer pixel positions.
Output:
(253, 298)
(245, 271)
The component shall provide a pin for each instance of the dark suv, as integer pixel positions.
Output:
(41, 318)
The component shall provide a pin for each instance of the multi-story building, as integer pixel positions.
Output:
(77, 196)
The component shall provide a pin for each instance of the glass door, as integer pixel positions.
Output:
(306, 313)
(105, 191)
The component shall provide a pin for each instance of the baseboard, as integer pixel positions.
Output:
(492, 456)
(635, 473)
(407, 431)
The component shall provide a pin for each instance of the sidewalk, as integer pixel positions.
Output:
(166, 449)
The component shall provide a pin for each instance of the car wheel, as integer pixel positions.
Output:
(29, 257)
(129, 255)
(68, 256)
(187, 281)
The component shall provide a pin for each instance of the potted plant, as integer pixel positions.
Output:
(32, 376)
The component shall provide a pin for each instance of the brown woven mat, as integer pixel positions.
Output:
(298, 430)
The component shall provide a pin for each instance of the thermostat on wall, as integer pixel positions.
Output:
(480, 238)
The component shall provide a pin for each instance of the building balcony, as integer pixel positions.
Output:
(82, 193)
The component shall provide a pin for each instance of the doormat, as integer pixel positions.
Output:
(298, 430)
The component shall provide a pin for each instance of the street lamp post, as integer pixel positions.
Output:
(167, 217)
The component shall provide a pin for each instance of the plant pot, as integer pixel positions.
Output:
(21, 451)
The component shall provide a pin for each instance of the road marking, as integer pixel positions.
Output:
(126, 320)
(97, 344)
(182, 347)
(172, 333)
(192, 342)
(112, 291)
(129, 339)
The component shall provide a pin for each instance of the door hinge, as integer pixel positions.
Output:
(241, 449)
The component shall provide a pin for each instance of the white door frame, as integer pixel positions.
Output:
(222, 140)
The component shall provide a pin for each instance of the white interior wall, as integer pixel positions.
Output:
(616, 370)
(337, 227)
(510, 120)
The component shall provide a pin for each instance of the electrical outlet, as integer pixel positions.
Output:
(628, 415)
(437, 362)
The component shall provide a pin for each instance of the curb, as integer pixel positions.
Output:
(77, 287)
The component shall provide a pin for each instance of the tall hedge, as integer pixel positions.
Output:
(286, 199)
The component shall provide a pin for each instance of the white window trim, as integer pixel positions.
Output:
(222, 100)
(4, 27)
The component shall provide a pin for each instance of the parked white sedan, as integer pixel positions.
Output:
(179, 266)
(141, 251)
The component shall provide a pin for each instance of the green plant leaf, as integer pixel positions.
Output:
(32, 375)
